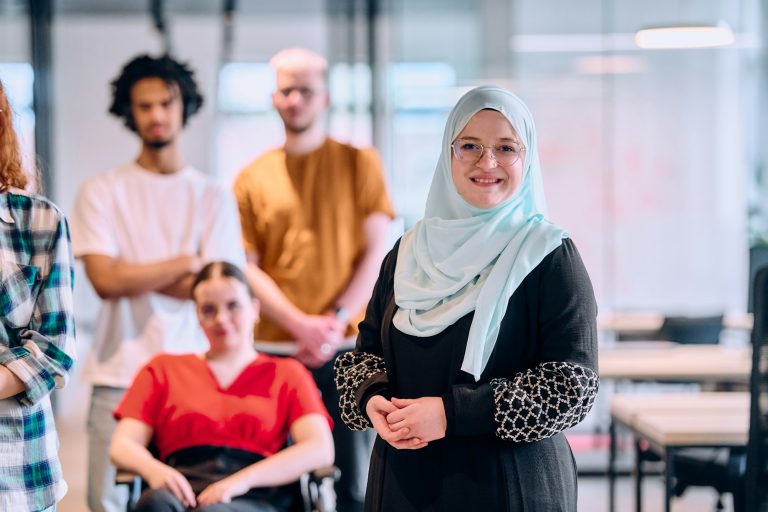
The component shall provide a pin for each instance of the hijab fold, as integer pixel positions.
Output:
(460, 258)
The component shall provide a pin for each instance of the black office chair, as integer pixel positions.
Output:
(701, 330)
(756, 486)
(742, 472)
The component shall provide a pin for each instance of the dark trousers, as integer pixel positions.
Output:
(353, 448)
(161, 500)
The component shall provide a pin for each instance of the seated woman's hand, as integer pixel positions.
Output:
(223, 491)
(378, 408)
(424, 417)
(163, 476)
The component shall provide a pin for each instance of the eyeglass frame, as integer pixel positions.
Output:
(483, 147)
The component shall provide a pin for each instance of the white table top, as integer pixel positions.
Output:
(288, 348)
(626, 407)
(671, 362)
(700, 428)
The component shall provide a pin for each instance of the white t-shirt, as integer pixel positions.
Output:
(139, 217)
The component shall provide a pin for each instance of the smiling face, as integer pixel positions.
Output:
(483, 182)
(157, 111)
(226, 312)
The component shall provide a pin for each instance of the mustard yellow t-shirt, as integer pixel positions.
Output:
(304, 216)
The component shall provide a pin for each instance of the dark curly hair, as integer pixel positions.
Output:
(165, 68)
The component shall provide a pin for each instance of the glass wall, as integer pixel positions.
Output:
(649, 156)
(16, 72)
(645, 153)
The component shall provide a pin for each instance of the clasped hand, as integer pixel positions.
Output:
(318, 337)
(407, 424)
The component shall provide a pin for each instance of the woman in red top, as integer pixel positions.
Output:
(220, 420)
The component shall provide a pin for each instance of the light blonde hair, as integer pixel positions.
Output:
(291, 59)
(11, 168)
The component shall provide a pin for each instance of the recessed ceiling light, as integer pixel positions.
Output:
(685, 36)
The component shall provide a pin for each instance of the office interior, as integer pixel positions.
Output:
(655, 159)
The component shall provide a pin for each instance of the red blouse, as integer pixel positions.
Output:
(179, 397)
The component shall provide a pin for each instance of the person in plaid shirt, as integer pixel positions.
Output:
(37, 337)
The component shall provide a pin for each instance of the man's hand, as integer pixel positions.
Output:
(378, 409)
(181, 288)
(191, 262)
(423, 417)
(163, 476)
(318, 338)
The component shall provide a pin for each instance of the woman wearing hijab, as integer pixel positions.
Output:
(479, 344)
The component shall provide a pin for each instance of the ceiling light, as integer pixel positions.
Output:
(685, 36)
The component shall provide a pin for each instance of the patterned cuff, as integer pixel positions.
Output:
(543, 401)
(352, 370)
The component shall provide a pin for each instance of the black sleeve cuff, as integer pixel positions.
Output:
(469, 410)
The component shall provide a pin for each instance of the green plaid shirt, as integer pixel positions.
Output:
(37, 344)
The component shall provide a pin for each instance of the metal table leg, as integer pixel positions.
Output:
(638, 477)
(669, 478)
(612, 467)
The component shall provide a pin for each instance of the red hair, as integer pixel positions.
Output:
(11, 170)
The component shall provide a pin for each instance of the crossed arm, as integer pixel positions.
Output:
(113, 278)
(10, 384)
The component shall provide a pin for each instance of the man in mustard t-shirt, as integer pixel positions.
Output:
(314, 215)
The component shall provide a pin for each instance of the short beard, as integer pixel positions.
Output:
(157, 144)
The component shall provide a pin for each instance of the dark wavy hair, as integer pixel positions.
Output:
(221, 269)
(164, 68)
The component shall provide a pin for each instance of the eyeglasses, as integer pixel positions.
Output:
(504, 154)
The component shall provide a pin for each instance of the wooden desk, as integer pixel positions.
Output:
(665, 361)
(694, 428)
(672, 362)
(625, 408)
(674, 421)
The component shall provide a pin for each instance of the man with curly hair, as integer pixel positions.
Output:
(142, 231)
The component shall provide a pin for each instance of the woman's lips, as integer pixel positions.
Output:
(485, 181)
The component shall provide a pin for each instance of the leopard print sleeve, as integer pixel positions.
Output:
(352, 370)
(543, 401)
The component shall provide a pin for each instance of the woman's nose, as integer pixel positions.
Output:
(487, 159)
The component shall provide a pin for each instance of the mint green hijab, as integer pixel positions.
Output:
(460, 258)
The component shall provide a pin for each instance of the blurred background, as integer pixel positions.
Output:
(654, 158)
